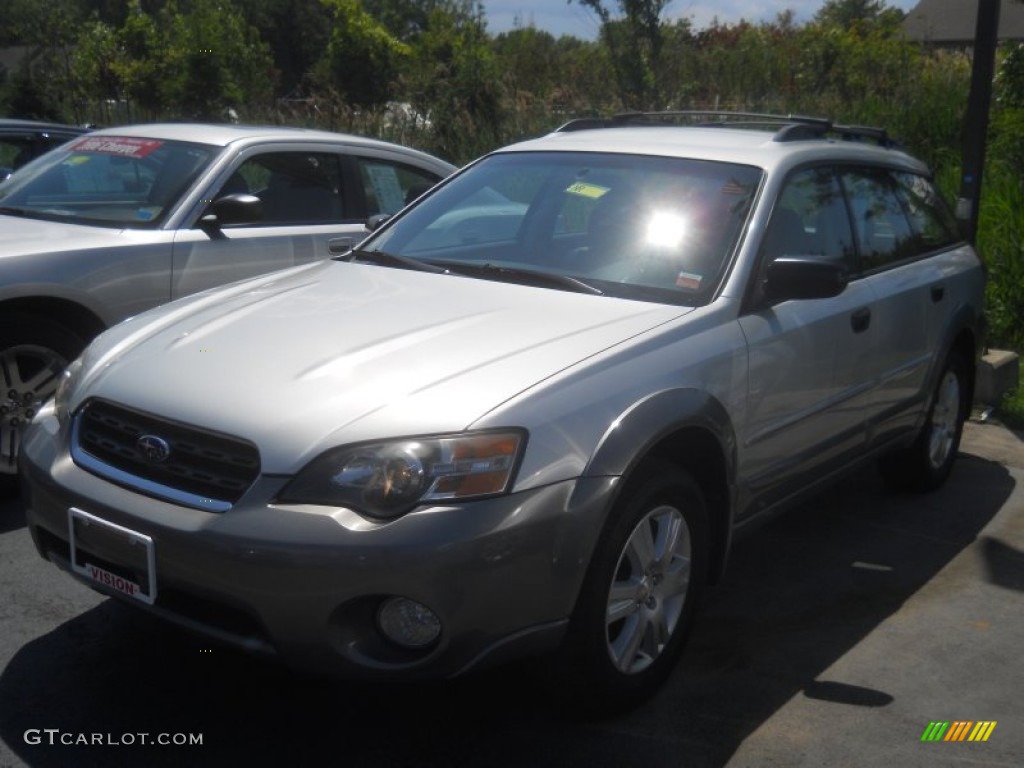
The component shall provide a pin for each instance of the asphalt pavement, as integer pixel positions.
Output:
(842, 631)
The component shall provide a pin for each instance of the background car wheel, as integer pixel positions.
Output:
(640, 593)
(33, 352)
(926, 464)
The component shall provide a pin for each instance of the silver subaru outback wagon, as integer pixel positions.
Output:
(526, 415)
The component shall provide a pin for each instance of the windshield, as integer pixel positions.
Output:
(651, 228)
(115, 181)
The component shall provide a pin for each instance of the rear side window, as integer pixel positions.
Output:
(931, 219)
(879, 220)
(389, 187)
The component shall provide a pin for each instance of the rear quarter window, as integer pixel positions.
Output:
(933, 223)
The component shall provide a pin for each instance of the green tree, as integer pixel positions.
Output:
(529, 61)
(635, 42)
(363, 58)
(452, 77)
(50, 30)
(855, 14)
(194, 60)
(297, 32)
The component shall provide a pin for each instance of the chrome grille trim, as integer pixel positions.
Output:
(206, 470)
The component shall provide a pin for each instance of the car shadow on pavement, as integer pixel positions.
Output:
(12, 515)
(799, 594)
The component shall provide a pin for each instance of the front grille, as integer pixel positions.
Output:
(204, 469)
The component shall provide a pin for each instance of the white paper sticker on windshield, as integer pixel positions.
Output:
(689, 281)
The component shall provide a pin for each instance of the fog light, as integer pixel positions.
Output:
(408, 623)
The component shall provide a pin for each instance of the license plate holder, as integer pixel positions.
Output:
(112, 556)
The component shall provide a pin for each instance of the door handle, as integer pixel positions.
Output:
(860, 320)
(938, 291)
(340, 244)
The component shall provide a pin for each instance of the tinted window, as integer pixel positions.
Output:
(389, 187)
(883, 231)
(931, 219)
(295, 187)
(810, 219)
(15, 151)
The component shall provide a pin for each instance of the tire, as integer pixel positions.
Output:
(33, 352)
(926, 464)
(640, 594)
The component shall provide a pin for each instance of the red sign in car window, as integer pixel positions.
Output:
(124, 146)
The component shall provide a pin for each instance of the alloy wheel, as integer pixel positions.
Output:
(649, 589)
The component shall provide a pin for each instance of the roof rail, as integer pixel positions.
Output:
(787, 127)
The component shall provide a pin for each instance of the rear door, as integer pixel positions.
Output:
(902, 228)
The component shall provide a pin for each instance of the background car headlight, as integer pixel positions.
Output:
(387, 479)
(65, 386)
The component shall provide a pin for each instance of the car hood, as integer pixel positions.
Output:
(23, 236)
(334, 353)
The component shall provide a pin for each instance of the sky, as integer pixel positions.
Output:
(560, 17)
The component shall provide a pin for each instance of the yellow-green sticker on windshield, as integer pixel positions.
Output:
(583, 189)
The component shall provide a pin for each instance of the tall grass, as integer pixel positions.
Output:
(1001, 244)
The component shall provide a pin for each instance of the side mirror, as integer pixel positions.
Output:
(239, 208)
(376, 221)
(804, 277)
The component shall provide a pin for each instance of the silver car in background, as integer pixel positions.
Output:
(120, 220)
(530, 412)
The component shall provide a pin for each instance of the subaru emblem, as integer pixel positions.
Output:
(153, 449)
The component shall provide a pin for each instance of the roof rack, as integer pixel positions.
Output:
(787, 127)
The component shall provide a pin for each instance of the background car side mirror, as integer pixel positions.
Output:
(376, 221)
(238, 208)
(804, 277)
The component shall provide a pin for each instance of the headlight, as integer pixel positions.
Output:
(387, 479)
(66, 385)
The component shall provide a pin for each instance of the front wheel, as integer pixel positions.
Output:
(33, 352)
(640, 594)
(926, 464)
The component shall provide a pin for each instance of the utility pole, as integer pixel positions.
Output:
(976, 120)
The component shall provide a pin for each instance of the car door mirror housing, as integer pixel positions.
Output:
(238, 208)
(804, 277)
(376, 221)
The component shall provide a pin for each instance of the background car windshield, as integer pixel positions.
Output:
(653, 228)
(113, 181)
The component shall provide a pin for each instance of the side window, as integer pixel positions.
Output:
(295, 187)
(810, 219)
(389, 187)
(931, 219)
(15, 151)
(883, 231)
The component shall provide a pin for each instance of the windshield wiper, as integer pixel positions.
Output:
(386, 259)
(523, 276)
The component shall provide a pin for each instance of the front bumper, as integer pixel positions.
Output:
(304, 582)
